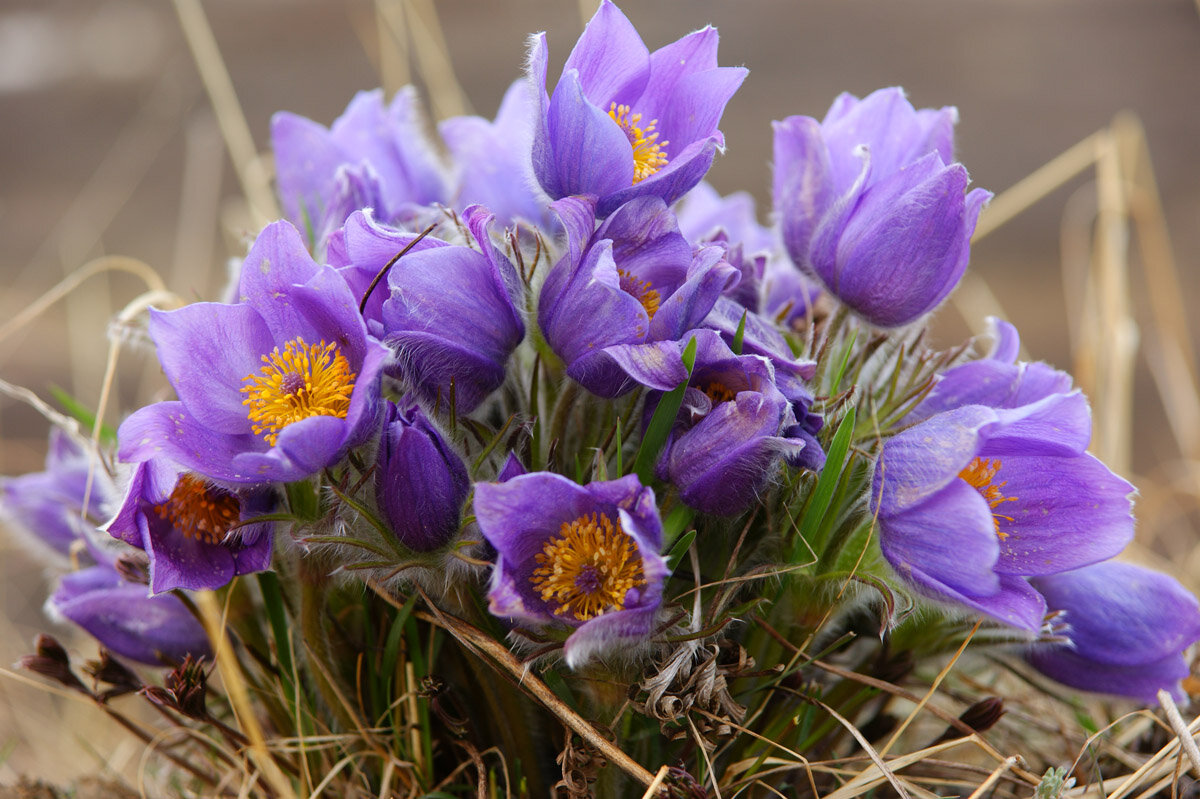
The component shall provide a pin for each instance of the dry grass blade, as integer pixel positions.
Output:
(1184, 736)
(872, 776)
(217, 82)
(392, 38)
(446, 95)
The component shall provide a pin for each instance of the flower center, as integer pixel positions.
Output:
(588, 567)
(200, 510)
(649, 154)
(302, 381)
(718, 392)
(980, 475)
(641, 291)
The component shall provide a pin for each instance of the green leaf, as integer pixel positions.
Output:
(739, 335)
(268, 584)
(814, 515)
(78, 411)
(663, 420)
(678, 551)
(676, 522)
(303, 499)
(835, 384)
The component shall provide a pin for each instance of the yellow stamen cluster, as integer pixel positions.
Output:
(980, 474)
(588, 567)
(641, 291)
(200, 510)
(649, 154)
(718, 392)
(302, 381)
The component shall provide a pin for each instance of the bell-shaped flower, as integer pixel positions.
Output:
(634, 280)
(197, 535)
(972, 501)
(733, 427)
(1128, 628)
(273, 388)
(623, 122)
(48, 506)
(448, 312)
(583, 559)
(382, 152)
(872, 205)
(156, 630)
(421, 483)
(492, 164)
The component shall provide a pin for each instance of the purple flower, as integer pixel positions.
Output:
(48, 505)
(189, 527)
(274, 388)
(158, 630)
(1128, 629)
(449, 313)
(421, 483)
(972, 501)
(732, 426)
(623, 122)
(998, 380)
(635, 280)
(583, 558)
(492, 165)
(871, 205)
(372, 156)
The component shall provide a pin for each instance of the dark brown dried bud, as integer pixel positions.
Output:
(188, 685)
(680, 784)
(113, 672)
(51, 661)
(980, 717)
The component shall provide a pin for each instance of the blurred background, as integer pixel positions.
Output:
(110, 145)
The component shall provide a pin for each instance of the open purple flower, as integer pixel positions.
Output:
(274, 388)
(421, 483)
(974, 500)
(583, 558)
(732, 427)
(632, 281)
(448, 312)
(492, 163)
(157, 630)
(372, 156)
(872, 205)
(623, 122)
(191, 529)
(48, 505)
(1128, 628)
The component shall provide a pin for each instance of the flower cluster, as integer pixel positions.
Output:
(553, 378)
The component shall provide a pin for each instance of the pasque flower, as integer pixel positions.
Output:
(972, 501)
(1127, 626)
(579, 558)
(373, 156)
(49, 505)
(623, 122)
(420, 481)
(871, 204)
(158, 630)
(733, 426)
(273, 388)
(195, 532)
(634, 280)
(448, 312)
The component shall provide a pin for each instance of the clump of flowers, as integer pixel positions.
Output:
(555, 424)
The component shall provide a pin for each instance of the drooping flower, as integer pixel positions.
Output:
(571, 557)
(871, 204)
(372, 156)
(421, 483)
(732, 428)
(492, 162)
(623, 122)
(634, 280)
(972, 501)
(157, 630)
(191, 529)
(448, 312)
(1128, 628)
(49, 505)
(273, 388)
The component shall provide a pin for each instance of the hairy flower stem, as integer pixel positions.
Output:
(314, 592)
